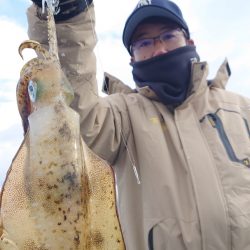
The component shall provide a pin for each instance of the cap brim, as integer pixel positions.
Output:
(143, 13)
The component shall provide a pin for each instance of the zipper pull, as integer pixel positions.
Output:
(212, 120)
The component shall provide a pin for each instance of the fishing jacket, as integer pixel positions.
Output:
(182, 175)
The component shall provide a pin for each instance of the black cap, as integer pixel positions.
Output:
(152, 8)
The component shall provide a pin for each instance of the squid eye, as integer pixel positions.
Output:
(32, 90)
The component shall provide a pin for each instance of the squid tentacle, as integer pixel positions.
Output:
(33, 45)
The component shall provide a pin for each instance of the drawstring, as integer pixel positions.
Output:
(131, 159)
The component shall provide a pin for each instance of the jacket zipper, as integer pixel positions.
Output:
(218, 125)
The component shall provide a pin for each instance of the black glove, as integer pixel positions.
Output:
(68, 8)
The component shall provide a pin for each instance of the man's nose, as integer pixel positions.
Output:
(159, 48)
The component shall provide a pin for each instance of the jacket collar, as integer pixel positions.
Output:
(222, 76)
(200, 72)
(199, 75)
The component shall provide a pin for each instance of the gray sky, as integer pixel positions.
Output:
(219, 29)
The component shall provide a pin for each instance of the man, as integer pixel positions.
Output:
(179, 144)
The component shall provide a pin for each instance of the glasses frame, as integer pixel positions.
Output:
(131, 51)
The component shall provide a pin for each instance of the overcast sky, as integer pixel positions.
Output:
(219, 28)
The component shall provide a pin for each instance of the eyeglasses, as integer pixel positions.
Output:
(169, 38)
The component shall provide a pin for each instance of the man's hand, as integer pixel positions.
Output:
(68, 8)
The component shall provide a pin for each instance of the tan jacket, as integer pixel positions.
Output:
(193, 162)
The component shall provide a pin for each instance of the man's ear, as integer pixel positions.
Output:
(190, 42)
(132, 60)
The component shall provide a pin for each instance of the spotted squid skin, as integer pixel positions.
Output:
(57, 193)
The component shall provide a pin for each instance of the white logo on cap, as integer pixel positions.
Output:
(143, 2)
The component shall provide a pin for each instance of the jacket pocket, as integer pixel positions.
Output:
(173, 234)
(227, 134)
(151, 239)
(166, 235)
(218, 125)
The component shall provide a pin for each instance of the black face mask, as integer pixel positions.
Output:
(167, 75)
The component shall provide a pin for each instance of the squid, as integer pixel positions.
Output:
(58, 194)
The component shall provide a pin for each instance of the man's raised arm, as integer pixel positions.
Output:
(75, 25)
